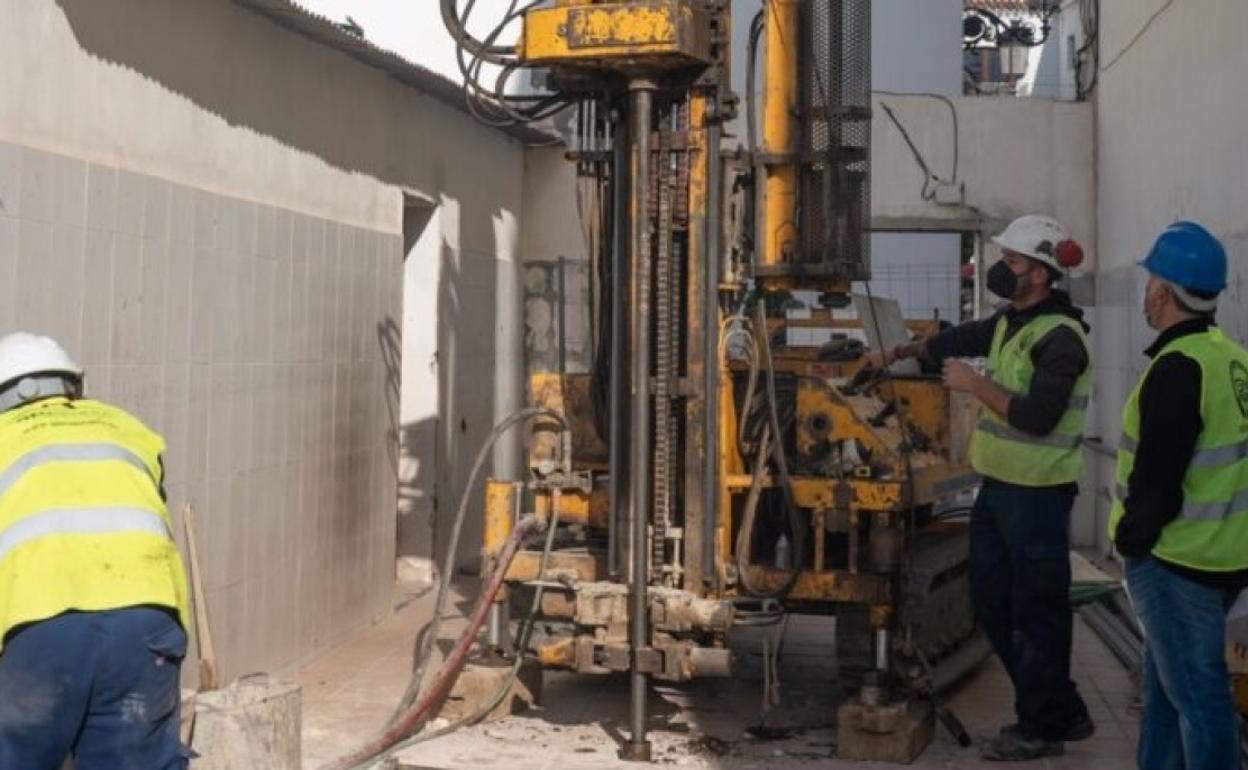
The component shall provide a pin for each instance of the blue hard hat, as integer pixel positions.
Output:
(1188, 255)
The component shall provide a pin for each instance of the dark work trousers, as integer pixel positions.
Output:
(99, 686)
(1020, 587)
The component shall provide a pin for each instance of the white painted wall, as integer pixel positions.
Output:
(1170, 145)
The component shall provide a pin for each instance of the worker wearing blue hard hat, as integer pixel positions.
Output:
(1180, 513)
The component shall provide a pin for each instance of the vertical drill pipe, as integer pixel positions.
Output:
(710, 330)
(641, 94)
(883, 650)
(780, 134)
(562, 312)
(501, 501)
(618, 450)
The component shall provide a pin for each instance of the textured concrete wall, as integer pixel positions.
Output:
(257, 341)
(1170, 145)
(209, 209)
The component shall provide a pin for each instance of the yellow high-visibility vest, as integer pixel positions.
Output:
(1211, 530)
(1003, 452)
(82, 522)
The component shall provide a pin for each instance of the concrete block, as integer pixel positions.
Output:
(8, 269)
(478, 684)
(97, 305)
(10, 178)
(282, 233)
(127, 303)
(34, 265)
(247, 280)
(898, 733)
(227, 224)
(131, 202)
(63, 295)
(178, 277)
(153, 296)
(247, 216)
(206, 219)
(265, 236)
(37, 200)
(181, 215)
(69, 191)
(156, 201)
(298, 236)
(202, 305)
(176, 421)
(101, 197)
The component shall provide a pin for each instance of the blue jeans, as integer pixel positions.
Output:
(1020, 588)
(1189, 720)
(100, 686)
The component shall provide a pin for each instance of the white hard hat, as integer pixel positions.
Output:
(1044, 239)
(23, 354)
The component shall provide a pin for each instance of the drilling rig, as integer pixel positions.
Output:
(707, 473)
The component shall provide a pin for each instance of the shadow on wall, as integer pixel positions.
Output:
(248, 71)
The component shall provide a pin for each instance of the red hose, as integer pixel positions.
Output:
(446, 676)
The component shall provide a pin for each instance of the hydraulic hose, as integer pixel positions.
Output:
(773, 436)
(430, 634)
(419, 712)
(519, 648)
(495, 54)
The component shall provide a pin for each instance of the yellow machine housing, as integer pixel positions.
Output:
(656, 33)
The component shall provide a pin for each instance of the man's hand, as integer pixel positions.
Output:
(878, 359)
(960, 377)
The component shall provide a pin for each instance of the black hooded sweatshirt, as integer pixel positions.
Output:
(1060, 358)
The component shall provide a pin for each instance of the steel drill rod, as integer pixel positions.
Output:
(710, 328)
(641, 95)
(618, 450)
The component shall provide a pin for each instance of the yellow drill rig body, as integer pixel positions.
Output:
(720, 476)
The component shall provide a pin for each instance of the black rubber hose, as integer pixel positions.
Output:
(495, 54)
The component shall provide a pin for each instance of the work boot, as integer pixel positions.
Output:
(1081, 729)
(1016, 746)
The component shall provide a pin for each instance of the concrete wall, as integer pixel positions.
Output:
(1170, 145)
(916, 47)
(1015, 156)
(209, 210)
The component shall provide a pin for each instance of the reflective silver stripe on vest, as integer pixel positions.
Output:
(1010, 434)
(1077, 403)
(1214, 511)
(1213, 457)
(1193, 511)
(1219, 455)
(81, 521)
(56, 453)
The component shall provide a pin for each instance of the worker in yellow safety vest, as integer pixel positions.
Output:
(93, 597)
(1027, 447)
(1180, 513)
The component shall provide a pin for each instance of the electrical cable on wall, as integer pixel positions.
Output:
(1137, 36)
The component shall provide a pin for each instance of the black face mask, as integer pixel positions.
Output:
(1003, 281)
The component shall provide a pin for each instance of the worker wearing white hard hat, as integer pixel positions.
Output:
(93, 598)
(1027, 447)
